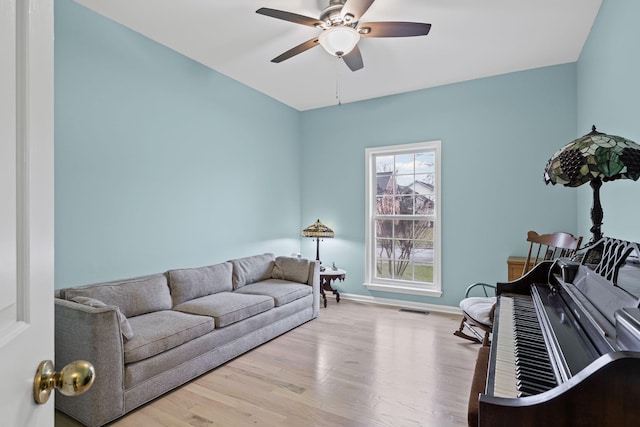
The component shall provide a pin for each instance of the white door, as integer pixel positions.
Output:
(26, 207)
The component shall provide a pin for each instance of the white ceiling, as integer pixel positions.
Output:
(469, 39)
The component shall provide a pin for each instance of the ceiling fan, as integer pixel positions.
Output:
(341, 30)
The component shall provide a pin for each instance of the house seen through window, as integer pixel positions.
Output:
(403, 204)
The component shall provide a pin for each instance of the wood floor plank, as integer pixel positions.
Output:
(357, 365)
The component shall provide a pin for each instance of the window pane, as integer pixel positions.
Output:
(423, 252)
(423, 272)
(402, 249)
(404, 164)
(404, 229)
(385, 205)
(404, 183)
(423, 230)
(383, 247)
(384, 228)
(384, 183)
(404, 205)
(403, 270)
(423, 249)
(424, 205)
(423, 184)
(384, 269)
(429, 179)
(425, 162)
(384, 164)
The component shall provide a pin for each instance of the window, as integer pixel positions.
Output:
(403, 219)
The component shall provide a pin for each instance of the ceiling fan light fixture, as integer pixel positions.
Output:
(339, 40)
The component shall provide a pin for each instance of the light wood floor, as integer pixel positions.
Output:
(356, 365)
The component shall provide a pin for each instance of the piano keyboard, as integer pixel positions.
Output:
(522, 365)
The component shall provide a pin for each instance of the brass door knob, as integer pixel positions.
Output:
(74, 379)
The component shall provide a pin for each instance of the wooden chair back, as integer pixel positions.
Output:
(543, 247)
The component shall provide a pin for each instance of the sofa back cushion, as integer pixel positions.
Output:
(252, 269)
(191, 283)
(292, 269)
(133, 297)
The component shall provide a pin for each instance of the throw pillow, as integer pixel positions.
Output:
(125, 327)
(293, 269)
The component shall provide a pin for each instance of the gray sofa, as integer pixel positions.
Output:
(148, 335)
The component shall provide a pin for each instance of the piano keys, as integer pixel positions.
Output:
(522, 363)
(567, 353)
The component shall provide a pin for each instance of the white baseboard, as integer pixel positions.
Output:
(400, 303)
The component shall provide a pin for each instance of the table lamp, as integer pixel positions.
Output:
(317, 230)
(594, 158)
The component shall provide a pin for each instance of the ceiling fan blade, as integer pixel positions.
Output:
(296, 50)
(291, 17)
(353, 59)
(354, 9)
(393, 29)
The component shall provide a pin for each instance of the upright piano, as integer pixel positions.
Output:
(565, 347)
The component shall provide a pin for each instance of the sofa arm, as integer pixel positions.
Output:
(92, 334)
(314, 282)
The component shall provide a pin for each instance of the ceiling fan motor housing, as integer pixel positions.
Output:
(331, 15)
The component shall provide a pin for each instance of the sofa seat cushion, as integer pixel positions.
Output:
(227, 307)
(282, 291)
(156, 332)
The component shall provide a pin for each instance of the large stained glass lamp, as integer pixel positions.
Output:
(594, 158)
(317, 230)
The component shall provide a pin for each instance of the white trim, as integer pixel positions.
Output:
(434, 290)
(404, 289)
(447, 309)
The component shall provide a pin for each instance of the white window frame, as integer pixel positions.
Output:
(401, 286)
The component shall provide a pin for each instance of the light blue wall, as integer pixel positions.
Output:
(160, 161)
(497, 135)
(608, 79)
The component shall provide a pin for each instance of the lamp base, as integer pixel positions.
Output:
(318, 250)
(596, 211)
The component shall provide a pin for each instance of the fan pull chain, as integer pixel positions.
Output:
(338, 80)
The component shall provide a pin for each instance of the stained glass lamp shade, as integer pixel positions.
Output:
(317, 230)
(594, 158)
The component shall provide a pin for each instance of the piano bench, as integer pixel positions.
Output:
(478, 384)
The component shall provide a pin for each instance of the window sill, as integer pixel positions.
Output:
(399, 289)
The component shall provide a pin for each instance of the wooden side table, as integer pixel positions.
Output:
(326, 277)
(515, 265)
